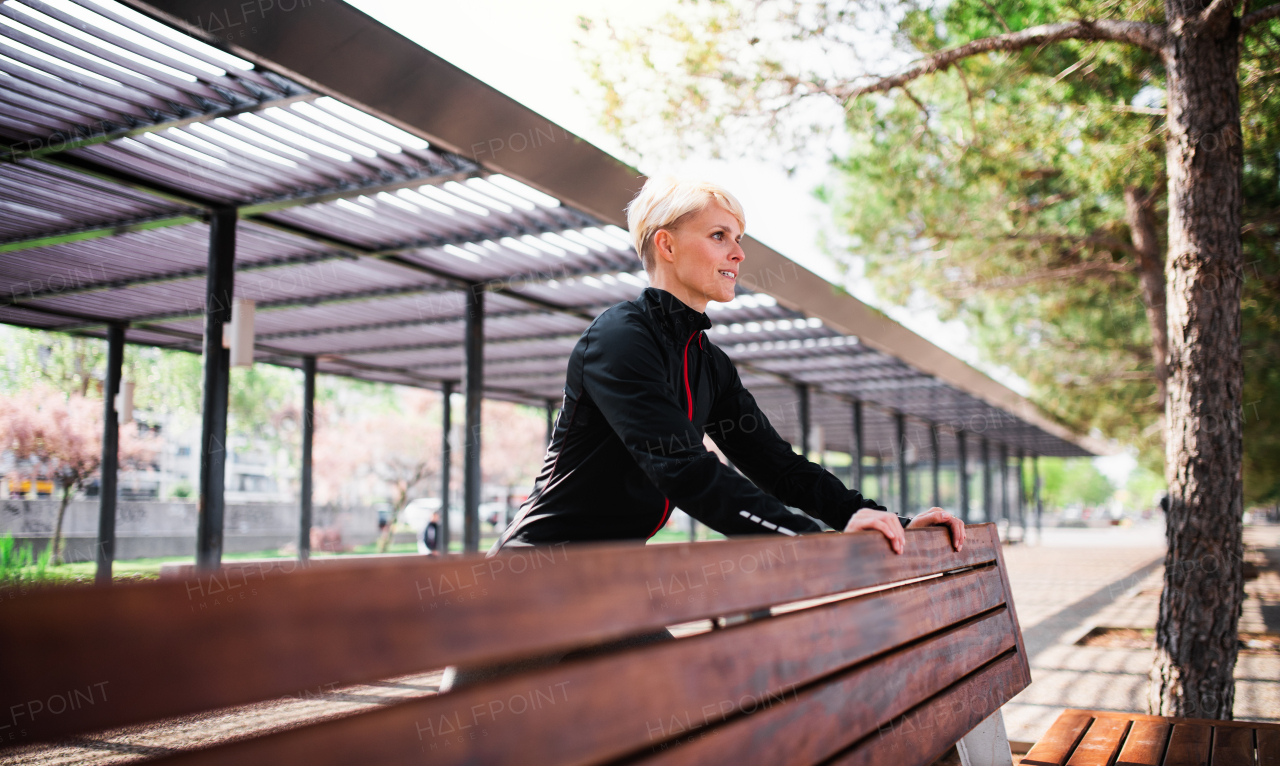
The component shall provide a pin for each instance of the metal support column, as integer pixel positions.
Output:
(802, 398)
(219, 291)
(474, 392)
(855, 475)
(904, 471)
(106, 549)
(986, 480)
(308, 438)
(446, 461)
(962, 474)
(882, 486)
(1020, 497)
(936, 453)
(1035, 484)
(1004, 491)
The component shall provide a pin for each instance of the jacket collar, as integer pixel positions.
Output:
(676, 318)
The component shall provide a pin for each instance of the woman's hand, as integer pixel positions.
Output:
(939, 517)
(881, 521)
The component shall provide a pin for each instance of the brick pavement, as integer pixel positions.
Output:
(1081, 579)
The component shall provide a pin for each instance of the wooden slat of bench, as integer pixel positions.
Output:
(823, 721)
(1145, 744)
(1008, 592)
(1055, 747)
(1233, 745)
(1101, 743)
(164, 649)
(925, 733)
(1268, 746)
(1186, 740)
(1189, 745)
(614, 705)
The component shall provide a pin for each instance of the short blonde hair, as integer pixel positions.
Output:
(664, 200)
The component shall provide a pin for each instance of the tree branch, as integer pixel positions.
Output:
(1105, 243)
(1215, 17)
(1005, 283)
(1141, 34)
(1259, 16)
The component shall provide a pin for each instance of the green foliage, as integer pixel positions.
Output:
(1144, 488)
(996, 190)
(19, 565)
(64, 362)
(993, 191)
(1073, 481)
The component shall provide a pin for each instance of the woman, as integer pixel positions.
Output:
(645, 383)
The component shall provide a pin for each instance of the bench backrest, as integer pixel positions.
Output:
(868, 657)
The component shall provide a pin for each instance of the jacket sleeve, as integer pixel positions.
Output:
(746, 437)
(624, 374)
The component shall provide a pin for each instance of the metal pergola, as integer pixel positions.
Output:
(372, 201)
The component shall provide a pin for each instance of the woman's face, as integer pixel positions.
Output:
(698, 259)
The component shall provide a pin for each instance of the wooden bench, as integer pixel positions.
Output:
(1089, 737)
(865, 657)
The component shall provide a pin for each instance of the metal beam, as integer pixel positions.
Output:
(391, 325)
(308, 437)
(97, 232)
(169, 276)
(453, 344)
(253, 212)
(217, 365)
(446, 460)
(558, 358)
(91, 138)
(433, 176)
(962, 474)
(110, 466)
(471, 476)
(452, 285)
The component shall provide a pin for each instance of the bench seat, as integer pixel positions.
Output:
(1088, 737)
(825, 649)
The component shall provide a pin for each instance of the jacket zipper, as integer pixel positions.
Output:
(688, 392)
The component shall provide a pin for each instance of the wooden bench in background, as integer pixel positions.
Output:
(1089, 737)
(866, 657)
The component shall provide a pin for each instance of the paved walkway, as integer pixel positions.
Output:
(1081, 579)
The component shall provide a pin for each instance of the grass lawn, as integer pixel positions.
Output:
(82, 572)
(668, 535)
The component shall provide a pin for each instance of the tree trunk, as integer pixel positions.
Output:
(56, 542)
(1196, 636)
(1142, 231)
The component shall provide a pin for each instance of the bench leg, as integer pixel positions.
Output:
(986, 745)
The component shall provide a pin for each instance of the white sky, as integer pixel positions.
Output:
(525, 50)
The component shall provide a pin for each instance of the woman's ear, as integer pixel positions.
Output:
(664, 245)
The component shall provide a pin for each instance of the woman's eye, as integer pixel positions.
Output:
(718, 235)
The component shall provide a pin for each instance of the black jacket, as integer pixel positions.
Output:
(643, 386)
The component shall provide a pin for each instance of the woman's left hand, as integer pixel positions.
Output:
(939, 517)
